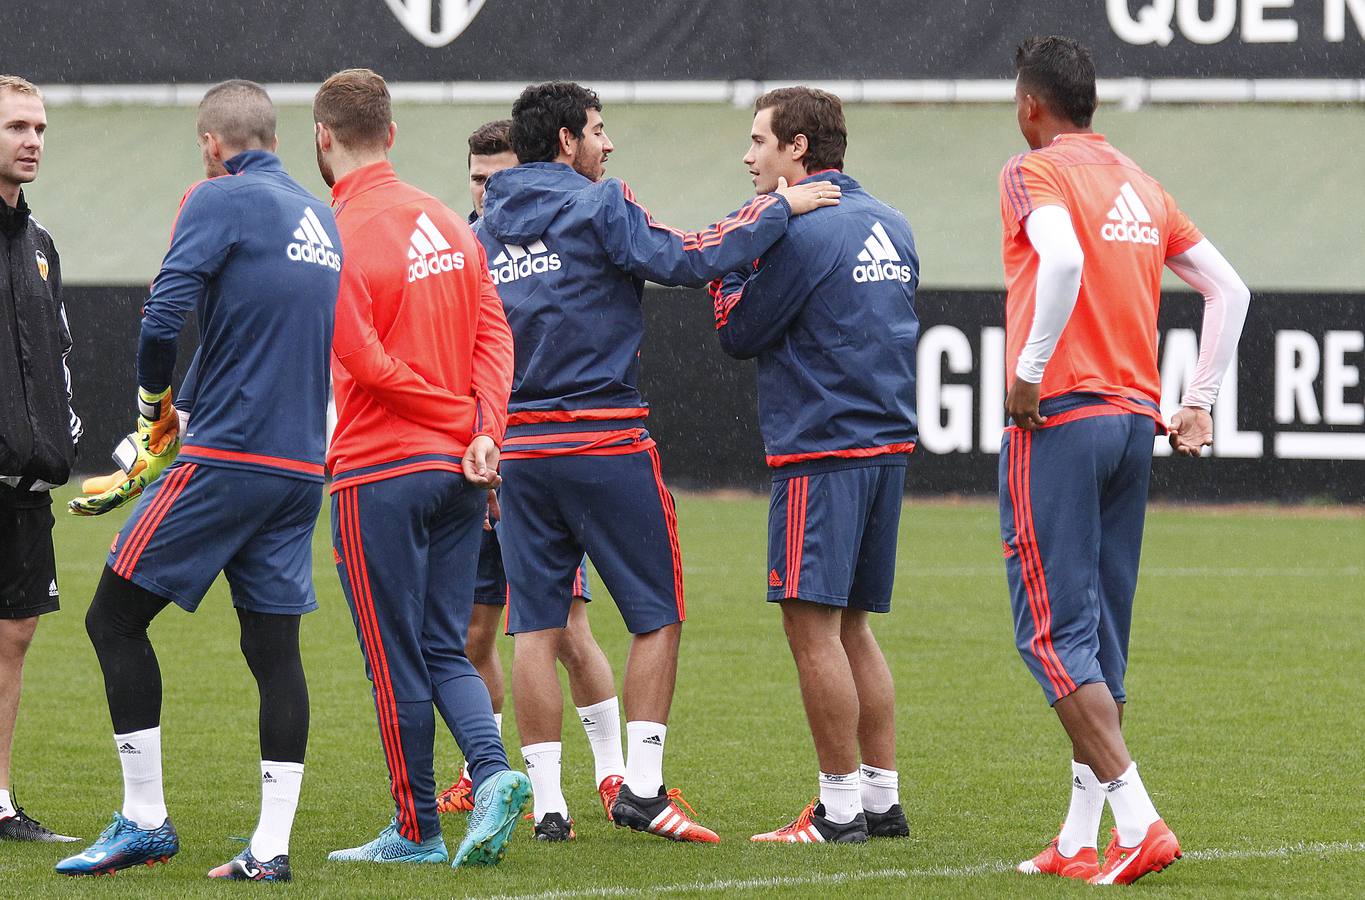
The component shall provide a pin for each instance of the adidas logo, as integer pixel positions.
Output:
(880, 261)
(52, 588)
(587, 721)
(430, 251)
(774, 580)
(653, 740)
(517, 261)
(1114, 785)
(311, 243)
(267, 778)
(130, 749)
(1129, 220)
(1076, 783)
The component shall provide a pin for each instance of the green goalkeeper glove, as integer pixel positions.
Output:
(141, 456)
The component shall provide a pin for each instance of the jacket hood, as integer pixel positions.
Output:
(520, 202)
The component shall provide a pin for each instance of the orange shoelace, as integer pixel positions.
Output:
(675, 794)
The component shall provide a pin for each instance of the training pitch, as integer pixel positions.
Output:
(1244, 686)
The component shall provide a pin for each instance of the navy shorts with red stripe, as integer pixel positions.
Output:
(1073, 499)
(832, 530)
(613, 507)
(200, 519)
(491, 587)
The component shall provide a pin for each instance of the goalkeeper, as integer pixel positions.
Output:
(257, 258)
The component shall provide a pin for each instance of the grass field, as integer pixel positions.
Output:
(1246, 673)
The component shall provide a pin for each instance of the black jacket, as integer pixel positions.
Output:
(38, 428)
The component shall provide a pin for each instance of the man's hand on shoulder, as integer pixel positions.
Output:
(802, 198)
(1191, 430)
(480, 462)
(1021, 404)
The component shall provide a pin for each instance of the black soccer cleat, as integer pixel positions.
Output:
(812, 827)
(23, 827)
(660, 815)
(554, 827)
(890, 824)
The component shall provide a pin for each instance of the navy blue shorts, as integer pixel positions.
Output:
(1073, 498)
(614, 508)
(832, 533)
(491, 587)
(197, 520)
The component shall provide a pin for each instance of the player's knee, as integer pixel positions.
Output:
(16, 635)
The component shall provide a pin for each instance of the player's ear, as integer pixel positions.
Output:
(393, 135)
(566, 141)
(800, 144)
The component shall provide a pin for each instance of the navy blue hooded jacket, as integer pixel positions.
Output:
(258, 259)
(829, 312)
(570, 258)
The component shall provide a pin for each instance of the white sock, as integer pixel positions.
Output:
(1133, 809)
(1082, 825)
(602, 723)
(139, 752)
(542, 765)
(881, 788)
(280, 783)
(841, 797)
(645, 766)
(6, 805)
(464, 766)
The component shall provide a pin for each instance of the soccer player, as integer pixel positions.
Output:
(422, 371)
(591, 682)
(1086, 235)
(257, 258)
(570, 251)
(829, 313)
(38, 428)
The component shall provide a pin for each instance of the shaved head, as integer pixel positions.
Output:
(239, 113)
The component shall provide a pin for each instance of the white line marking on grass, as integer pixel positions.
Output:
(910, 569)
(1303, 848)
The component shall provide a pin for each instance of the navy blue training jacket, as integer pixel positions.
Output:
(829, 313)
(258, 258)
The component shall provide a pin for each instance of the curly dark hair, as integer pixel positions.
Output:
(543, 109)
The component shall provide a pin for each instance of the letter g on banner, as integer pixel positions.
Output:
(1152, 25)
(454, 16)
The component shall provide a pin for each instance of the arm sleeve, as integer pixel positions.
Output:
(387, 379)
(201, 239)
(754, 309)
(73, 420)
(645, 248)
(1028, 182)
(1060, 261)
(491, 377)
(1226, 300)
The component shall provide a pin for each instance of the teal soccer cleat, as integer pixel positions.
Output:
(392, 847)
(121, 846)
(497, 806)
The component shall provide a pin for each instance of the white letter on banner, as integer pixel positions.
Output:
(1296, 366)
(1227, 439)
(1152, 25)
(1334, 19)
(1216, 29)
(1179, 356)
(940, 344)
(1338, 375)
(1257, 29)
(992, 388)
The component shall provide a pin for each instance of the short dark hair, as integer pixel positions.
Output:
(239, 113)
(817, 114)
(1060, 72)
(543, 109)
(355, 105)
(491, 138)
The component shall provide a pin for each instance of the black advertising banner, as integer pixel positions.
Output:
(1289, 426)
(138, 42)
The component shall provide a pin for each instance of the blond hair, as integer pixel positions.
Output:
(19, 86)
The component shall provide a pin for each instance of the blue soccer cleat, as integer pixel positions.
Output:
(392, 847)
(497, 806)
(121, 846)
(245, 867)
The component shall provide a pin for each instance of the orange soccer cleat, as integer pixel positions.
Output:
(1051, 862)
(608, 791)
(660, 815)
(1124, 865)
(459, 797)
(812, 827)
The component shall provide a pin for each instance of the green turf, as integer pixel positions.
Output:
(1245, 686)
(1280, 190)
